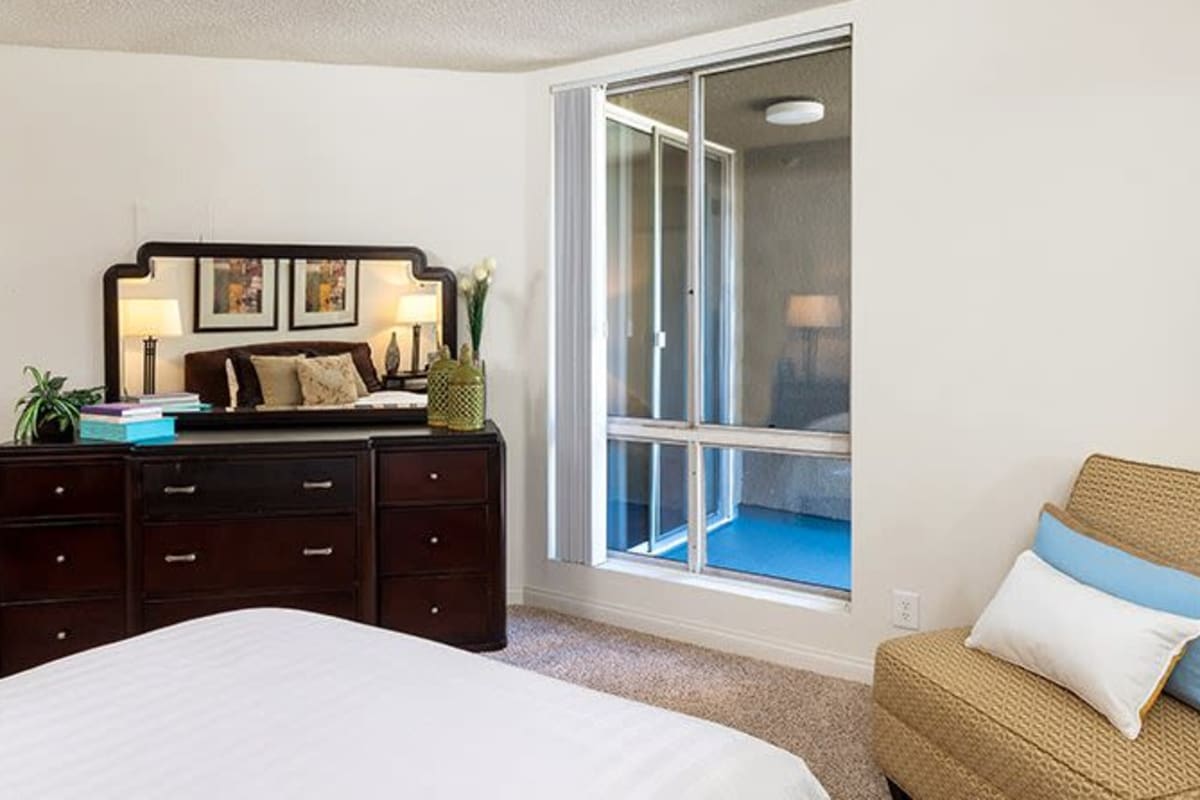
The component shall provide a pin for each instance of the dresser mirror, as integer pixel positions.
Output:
(208, 319)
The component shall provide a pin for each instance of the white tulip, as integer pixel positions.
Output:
(489, 264)
(467, 285)
(481, 273)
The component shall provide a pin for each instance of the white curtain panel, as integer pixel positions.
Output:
(576, 405)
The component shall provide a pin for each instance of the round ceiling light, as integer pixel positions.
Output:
(796, 112)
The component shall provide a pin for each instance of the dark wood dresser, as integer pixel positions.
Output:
(397, 526)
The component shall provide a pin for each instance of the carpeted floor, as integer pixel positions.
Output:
(823, 720)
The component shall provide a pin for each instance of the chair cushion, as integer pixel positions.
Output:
(1023, 735)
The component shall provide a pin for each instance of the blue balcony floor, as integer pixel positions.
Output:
(778, 544)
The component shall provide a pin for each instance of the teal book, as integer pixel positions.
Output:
(185, 408)
(139, 431)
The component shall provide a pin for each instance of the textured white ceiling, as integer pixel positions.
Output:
(497, 35)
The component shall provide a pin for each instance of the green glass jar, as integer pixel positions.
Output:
(437, 404)
(467, 394)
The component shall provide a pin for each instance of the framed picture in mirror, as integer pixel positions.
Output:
(324, 293)
(236, 294)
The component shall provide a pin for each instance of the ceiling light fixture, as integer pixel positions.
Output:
(800, 111)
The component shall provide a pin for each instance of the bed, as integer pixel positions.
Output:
(226, 379)
(273, 703)
(206, 373)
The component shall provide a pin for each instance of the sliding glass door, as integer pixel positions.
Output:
(647, 280)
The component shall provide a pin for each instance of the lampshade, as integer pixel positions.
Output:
(417, 309)
(814, 311)
(143, 316)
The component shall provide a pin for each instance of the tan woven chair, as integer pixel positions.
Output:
(957, 724)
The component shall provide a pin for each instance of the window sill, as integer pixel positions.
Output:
(796, 598)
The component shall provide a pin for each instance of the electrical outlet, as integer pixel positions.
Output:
(906, 610)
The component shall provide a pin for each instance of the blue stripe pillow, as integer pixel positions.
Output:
(1116, 572)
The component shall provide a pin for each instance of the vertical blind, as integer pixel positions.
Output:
(577, 339)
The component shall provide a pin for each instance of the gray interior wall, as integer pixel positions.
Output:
(795, 239)
(800, 485)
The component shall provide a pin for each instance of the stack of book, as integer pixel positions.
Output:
(172, 402)
(125, 422)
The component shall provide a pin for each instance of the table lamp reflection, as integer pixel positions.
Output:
(150, 319)
(415, 310)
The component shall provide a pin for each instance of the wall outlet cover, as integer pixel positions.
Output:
(906, 610)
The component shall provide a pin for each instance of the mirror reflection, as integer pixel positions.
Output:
(225, 329)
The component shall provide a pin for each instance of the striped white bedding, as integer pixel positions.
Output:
(271, 703)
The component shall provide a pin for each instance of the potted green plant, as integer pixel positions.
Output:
(47, 413)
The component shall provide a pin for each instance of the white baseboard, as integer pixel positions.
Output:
(788, 654)
(516, 596)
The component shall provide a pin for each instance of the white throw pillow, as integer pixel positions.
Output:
(1113, 654)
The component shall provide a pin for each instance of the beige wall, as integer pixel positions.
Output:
(101, 151)
(1026, 291)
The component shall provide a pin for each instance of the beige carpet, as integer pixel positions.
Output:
(823, 720)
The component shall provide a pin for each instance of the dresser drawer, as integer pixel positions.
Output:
(160, 613)
(443, 476)
(207, 487)
(449, 609)
(40, 632)
(420, 540)
(61, 561)
(186, 557)
(62, 490)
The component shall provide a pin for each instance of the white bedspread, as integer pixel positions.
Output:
(271, 703)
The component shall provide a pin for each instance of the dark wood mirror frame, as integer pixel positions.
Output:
(250, 418)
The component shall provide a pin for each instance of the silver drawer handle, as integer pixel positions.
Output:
(60, 490)
(310, 552)
(62, 635)
(60, 559)
(313, 485)
(433, 476)
(181, 558)
(179, 489)
(433, 540)
(434, 610)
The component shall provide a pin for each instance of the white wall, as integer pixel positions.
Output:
(1026, 291)
(101, 151)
